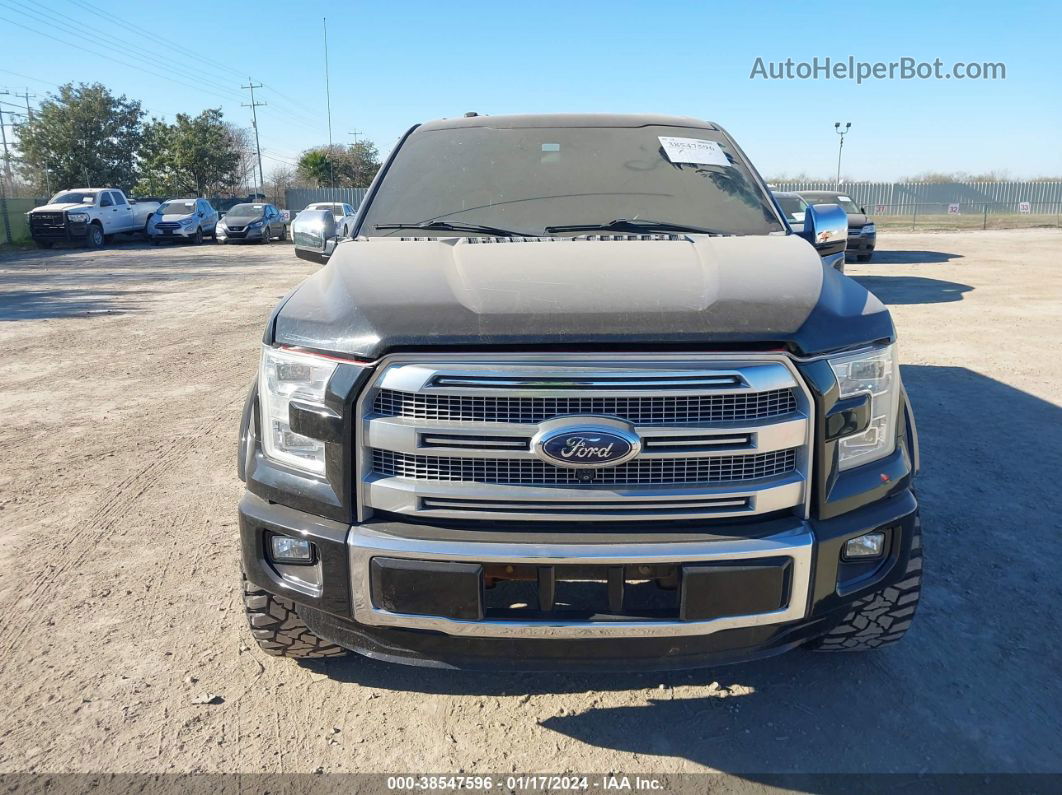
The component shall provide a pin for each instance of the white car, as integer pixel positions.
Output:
(183, 219)
(319, 228)
(342, 213)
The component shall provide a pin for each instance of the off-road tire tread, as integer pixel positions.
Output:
(882, 618)
(278, 629)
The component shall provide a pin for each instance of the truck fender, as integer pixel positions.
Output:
(248, 438)
(912, 434)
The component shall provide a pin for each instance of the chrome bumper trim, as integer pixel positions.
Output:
(364, 543)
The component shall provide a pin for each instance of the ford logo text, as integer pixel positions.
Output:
(580, 445)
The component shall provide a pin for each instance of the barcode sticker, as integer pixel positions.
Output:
(693, 150)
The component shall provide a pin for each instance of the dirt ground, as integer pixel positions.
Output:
(123, 646)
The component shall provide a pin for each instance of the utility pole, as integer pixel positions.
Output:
(840, 147)
(5, 177)
(328, 105)
(27, 96)
(254, 115)
(3, 136)
(356, 133)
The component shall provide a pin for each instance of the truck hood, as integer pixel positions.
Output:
(383, 294)
(57, 208)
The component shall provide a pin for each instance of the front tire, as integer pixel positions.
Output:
(267, 235)
(883, 617)
(278, 629)
(95, 238)
(198, 239)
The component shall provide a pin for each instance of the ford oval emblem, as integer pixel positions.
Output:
(585, 443)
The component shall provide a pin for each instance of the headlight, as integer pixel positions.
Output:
(77, 218)
(187, 221)
(254, 224)
(875, 373)
(287, 376)
(869, 229)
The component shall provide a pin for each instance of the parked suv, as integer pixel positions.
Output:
(862, 233)
(183, 219)
(574, 395)
(260, 223)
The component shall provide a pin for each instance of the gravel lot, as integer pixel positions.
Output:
(122, 376)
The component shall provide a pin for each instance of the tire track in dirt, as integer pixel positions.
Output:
(74, 546)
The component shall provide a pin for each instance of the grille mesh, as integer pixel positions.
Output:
(662, 410)
(664, 471)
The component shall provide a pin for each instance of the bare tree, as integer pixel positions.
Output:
(280, 180)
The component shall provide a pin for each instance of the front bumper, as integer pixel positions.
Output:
(68, 232)
(183, 233)
(859, 244)
(340, 600)
(228, 236)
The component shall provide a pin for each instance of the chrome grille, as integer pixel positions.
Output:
(446, 436)
(662, 410)
(640, 472)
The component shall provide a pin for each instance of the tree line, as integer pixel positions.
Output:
(84, 135)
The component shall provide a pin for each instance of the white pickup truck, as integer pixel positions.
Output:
(89, 216)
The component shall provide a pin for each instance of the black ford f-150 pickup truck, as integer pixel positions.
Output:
(575, 395)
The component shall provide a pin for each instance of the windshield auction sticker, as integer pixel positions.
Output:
(693, 150)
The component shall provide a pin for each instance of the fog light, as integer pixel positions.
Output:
(870, 545)
(285, 549)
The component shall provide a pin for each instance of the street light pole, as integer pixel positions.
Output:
(840, 146)
(328, 105)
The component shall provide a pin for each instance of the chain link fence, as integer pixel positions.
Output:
(966, 215)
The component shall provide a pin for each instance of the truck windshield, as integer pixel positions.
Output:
(73, 197)
(177, 208)
(527, 179)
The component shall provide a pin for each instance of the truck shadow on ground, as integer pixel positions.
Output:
(913, 289)
(912, 257)
(972, 688)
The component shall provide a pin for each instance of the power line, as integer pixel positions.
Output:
(98, 54)
(30, 77)
(149, 59)
(154, 38)
(102, 37)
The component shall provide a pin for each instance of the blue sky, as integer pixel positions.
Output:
(398, 63)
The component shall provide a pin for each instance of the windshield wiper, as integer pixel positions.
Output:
(447, 226)
(634, 225)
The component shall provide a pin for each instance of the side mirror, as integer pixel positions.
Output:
(826, 228)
